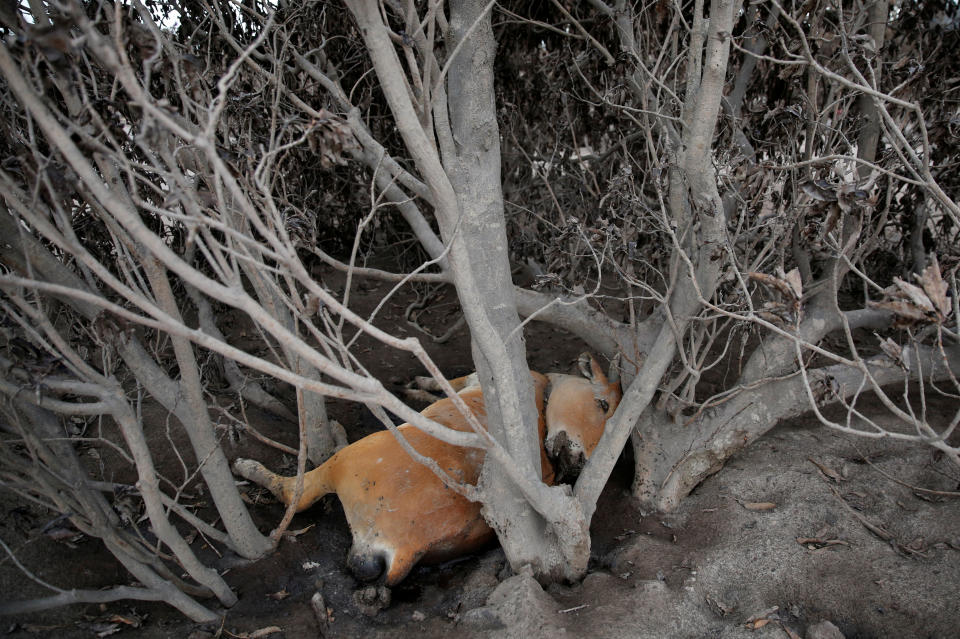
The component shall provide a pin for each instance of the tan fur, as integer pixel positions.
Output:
(571, 411)
(399, 510)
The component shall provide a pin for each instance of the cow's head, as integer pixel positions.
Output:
(577, 412)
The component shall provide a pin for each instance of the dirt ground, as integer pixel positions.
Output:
(806, 526)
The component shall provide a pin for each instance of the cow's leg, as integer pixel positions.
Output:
(315, 483)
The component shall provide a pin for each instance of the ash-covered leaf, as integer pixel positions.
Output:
(935, 288)
(793, 280)
(819, 190)
(915, 294)
(892, 350)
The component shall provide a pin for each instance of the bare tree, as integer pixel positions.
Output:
(733, 197)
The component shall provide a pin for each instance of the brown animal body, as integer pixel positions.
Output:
(400, 512)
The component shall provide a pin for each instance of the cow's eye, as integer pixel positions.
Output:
(604, 406)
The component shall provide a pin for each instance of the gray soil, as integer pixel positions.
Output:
(775, 542)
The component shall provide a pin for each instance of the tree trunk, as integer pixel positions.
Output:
(680, 455)
(481, 271)
(693, 195)
(869, 138)
(461, 166)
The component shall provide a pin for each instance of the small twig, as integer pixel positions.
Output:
(574, 609)
(255, 634)
(269, 442)
(878, 530)
(423, 303)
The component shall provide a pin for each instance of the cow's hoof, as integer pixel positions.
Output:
(372, 599)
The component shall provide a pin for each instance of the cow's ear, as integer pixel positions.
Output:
(587, 365)
(590, 368)
(614, 375)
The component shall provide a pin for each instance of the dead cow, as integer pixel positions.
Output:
(400, 512)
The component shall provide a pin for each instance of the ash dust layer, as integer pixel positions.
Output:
(804, 526)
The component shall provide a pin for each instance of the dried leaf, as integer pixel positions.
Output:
(819, 190)
(818, 542)
(722, 607)
(853, 193)
(917, 545)
(906, 312)
(767, 208)
(760, 620)
(131, 620)
(58, 533)
(935, 288)
(760, 505)
(782, 286)
(262, 632)
(876, 529)
(297, 533)
(794, 282)
(915, 294)
(790, 633)
(826, 470)
(892, 350)
(280, 595)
